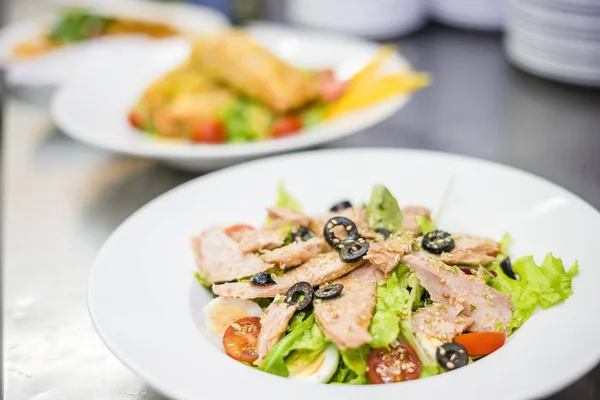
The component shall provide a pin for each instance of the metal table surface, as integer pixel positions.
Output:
(63, 199)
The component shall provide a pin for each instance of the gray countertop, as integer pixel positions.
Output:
(63, 199)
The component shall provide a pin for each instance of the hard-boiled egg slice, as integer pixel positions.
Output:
(219, 313)
(428, 344)
(319, 370)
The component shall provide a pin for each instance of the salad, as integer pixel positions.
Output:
(366, 294)
(231, 90)
(79, 25)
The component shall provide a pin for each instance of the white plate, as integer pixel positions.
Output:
(57, 67)
(147, 306)
(378, 20)
(94, 109)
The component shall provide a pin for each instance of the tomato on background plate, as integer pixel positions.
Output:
(481, 343)
(209, 132)
(239, 340)
(135, 119)
(396, 364)
(286, 126)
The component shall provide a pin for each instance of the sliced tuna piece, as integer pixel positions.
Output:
(219, 258)
(470, 250)
(449, 285)
(356, 214)
(440, 321)
(284, 216)
(386, 255)
(409, 218)
(380, 277)
(252, 240)
(345, 319)
(295, 253)
(318, 270)
(273, 323)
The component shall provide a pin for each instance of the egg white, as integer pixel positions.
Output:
(320, 370)
(428, 344)
(219, 313)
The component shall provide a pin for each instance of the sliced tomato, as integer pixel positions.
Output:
(237, 228)
(396, 364)
(135, 119)
(209, 132)
(481, 343)
(286, 126)
(330, 87)
(239, 340)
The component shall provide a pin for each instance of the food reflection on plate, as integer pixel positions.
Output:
(232, 90)
(79, 25)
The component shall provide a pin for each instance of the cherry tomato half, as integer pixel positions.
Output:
(239, 340)
(481, 343)
(135, 119)
(286, 126)
(233, 229)
(209, 132)
(396, 364)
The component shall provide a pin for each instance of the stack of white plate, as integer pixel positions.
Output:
(557, 39)
(475, 14)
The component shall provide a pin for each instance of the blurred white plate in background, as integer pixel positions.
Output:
(58, 66)
(94, 108)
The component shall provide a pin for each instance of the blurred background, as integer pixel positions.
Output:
(512, 81)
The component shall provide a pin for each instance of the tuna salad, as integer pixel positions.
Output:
(366, 294)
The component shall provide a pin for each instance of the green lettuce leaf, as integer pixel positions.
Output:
(304, 339)
(201, 280)
(429, 365)
(392, 297)
(246, 121)
(285, 200)
(312, 116)
(426, 224)
(396, 300)
(312, 343)
(352, 368)
(545, 285)
(383, 210)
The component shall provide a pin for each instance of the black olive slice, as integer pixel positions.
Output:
(303, 289)
(452, 356)
(262, 278)
(329, 292)
(437, 242)
(342, 205)
(354, 250)
(383, 232)
(302, 234)
(329, 235)
(506, 266)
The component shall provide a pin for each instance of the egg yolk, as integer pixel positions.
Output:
(226, 314)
